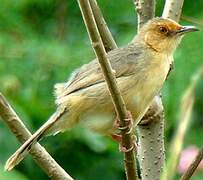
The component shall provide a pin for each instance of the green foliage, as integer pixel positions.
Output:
(41, 43)
(11, 175)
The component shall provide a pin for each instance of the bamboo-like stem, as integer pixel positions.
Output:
(193, 166)
(106, 36)
(39, 154)
(145, 10)
(117, 99)
(173, 9)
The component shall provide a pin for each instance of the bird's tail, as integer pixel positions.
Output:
(19, 155)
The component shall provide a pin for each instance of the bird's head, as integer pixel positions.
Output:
(163, 35)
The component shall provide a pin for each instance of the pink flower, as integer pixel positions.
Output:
(186, 157)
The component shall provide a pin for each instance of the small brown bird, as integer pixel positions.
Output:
(141, 68)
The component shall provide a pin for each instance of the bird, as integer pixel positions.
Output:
(141, 67)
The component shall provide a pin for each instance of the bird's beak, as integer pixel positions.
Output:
(186, 29)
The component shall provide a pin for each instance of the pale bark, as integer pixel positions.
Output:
(151, 152)
(127, 140)
(145, 11)
(39, 154)
(173, 9)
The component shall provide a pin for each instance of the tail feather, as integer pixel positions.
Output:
(19, 155)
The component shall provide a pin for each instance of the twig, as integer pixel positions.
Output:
(145, 10)
(192, 20)
(193, 166)
(40, 155)
(173, 9)
(112, 86)
(107, 39)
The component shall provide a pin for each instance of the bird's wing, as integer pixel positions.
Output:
(123, 61)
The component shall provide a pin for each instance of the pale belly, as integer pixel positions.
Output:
(100, 115)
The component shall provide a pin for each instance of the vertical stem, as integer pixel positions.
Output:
(151, 152)
(145, 11)
(112, 86)
(173, 9)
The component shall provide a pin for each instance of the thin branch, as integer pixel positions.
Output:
(192, 20)
(106, 36)
(173, 9)
(193, 166)
(145, 10)
(40, 155)
(112, 86)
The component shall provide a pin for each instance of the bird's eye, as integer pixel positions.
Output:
(163, 29)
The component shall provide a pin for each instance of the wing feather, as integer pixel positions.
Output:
(123, 61)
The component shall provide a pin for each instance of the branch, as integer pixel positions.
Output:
(145, 10)
(151, 152)
(193, 166)
(173, 9)
(106, 36)
(112, 86)
(40, 155)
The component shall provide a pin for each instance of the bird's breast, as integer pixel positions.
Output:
(146, 85)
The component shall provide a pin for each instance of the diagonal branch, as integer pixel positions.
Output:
(112, 86)
(193, 166)
(40, 155)
(107, 39)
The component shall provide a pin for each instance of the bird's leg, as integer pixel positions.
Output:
(118, 137)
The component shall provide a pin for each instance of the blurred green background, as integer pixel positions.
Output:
(42, 42)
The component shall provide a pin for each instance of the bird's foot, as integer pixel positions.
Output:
(128, 125)
(122, 148)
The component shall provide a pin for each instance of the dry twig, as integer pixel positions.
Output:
(107, 39)
(40, 155)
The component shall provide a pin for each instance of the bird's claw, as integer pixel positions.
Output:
(129, 123)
